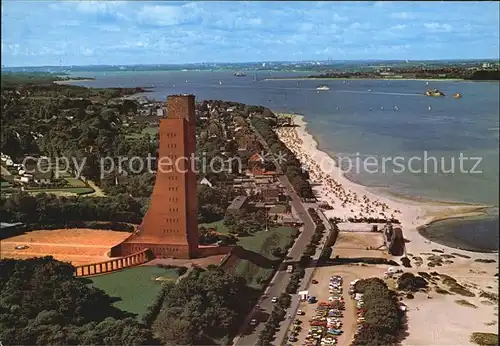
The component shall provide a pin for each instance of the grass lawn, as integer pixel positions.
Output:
(263, 243)
(136, 287)
(219, 225)
(151, 130)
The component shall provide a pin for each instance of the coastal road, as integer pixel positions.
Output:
(278, 284)
(261, 313)
(306, 280)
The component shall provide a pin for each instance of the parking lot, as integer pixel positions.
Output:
(321, 308)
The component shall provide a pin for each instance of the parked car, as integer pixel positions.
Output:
(314, 281)
(253, 322)
(300, 312)
(274, 300)
(335, 331)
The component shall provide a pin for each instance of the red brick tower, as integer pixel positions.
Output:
(170, 227)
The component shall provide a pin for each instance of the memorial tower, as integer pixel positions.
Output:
(170, 227)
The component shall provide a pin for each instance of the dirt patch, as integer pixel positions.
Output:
(78, 246)
(359, 240)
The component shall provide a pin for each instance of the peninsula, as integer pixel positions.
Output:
(443, 73)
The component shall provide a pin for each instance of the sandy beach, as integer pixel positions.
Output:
(448, 323)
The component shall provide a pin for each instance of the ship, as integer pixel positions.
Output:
(434, 93)
(457, 96)
(323, 87)
(240, 74)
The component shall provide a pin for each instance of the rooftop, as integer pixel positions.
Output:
(237, 202)
(278, 209)
(8, 225)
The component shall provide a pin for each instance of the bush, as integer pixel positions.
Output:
(484, 338)
(406, 262)
(284, 300)
(410, 282)
(154, 309)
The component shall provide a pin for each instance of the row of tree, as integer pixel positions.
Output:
(48, 210)
(318, 233)
(383, 319)
(266, 336)
(292, 166)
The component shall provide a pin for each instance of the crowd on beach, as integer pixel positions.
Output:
(344, 202)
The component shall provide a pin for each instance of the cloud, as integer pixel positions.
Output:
(338, 18)
(402, 15)
(306, 27)
(165, 15)
(382, 3)
(97, 6)
(438, 27)
(399, 27)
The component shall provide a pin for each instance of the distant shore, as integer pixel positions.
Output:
(73, 80)
(352, 79)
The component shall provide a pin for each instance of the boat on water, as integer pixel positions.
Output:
(457, 96)
(434, 93)
(323, 88)
(220, 82)
(240, 74)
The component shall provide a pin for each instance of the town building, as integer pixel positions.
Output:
(206, 182)
(238, 205)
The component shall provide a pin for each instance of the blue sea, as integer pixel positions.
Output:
(448, 147)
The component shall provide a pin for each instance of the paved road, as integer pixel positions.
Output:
(281, 278)
(304, 283)
(249, 335)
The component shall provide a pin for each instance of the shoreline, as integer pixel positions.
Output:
(412, 213)
(391, 79)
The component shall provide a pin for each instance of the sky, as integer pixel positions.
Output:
(40, 33)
